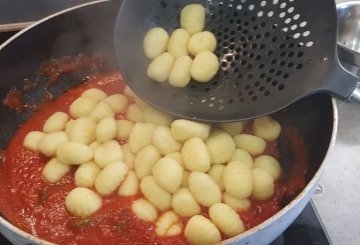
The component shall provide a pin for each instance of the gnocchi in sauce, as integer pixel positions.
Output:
(127, 176)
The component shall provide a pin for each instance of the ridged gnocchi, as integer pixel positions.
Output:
(56, 122)
(144, 210)
(94, 93)
(250, 143)
(106, 129)
(204, 66)
(50, 142)
(242, 156)
(160, 68)
(178, 42)
(269, 164)
(180, 74)
(108, 152)
(145, 160)
(263, 184)
(232, 128)
(130, 185)
(134, 113)
(216, 173)
(226, 219)
(117, 102)
(238, 180)
(110, 178)
(236, 203)
(74, 153)
(82, 107)
(168, 174)
(83, 130)
(124, 129)
(32, 140)
(202, 41)
(155, 42)
(82, 202)
(175, 156)
(101, 111)
(204, 189)
(221, 147)
(55, 170)
(166, 222)
(141, 136)
(201, 231)
(128, 156)
(192, 18)
(267, 128)
(183, 130)
(164, 141)
(184, 203)
(195, 155)
(86, 174)
(160, 198)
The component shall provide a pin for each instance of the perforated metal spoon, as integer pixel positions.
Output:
(272, 54)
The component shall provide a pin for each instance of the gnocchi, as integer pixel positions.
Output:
(110, 178)
(94, 93)
(165, 223)
(175, 156)
(141, 136)
(178, 42)
(56, 122)
(216, 173)
(55, 170)
(202, 41)
(168, 174)
(204, 66)
(250, 143)
(101, 111)
(232, 128)
(155, 42)
(226, 219)
(128, 156)
(86, 174)
(160, 198)
(236, 203)
(117, 102)
(183, 129)
(144, 210)
(242, 156)
(238, 180)
(108, 152)
(74, 153)
(160, 68)
(204, 188)
(134, 113)
(130, 185)
(192, 18)
(266, 128)
(106, 129)
(221, 147)
(82, 202)
(145, 161)
(180, 74)
(164, 141)
(82, 107)
(83, 130)
(124, 129)
(263, 184)
(32, 140)
(184, 203)
(195, 155)
(269, 164)
(50, 142)
(150, 115)
(201, 231)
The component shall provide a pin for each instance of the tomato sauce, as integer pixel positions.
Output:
(37, 207)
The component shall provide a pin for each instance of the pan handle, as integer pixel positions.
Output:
(355, 96)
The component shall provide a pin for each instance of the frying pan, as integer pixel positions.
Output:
(88, 29)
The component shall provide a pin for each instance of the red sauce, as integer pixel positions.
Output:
(37, 207)
(13, 100)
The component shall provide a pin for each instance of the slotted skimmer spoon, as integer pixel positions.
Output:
(272, 53)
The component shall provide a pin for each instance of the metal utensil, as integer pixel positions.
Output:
(349, 32)
(272, 53)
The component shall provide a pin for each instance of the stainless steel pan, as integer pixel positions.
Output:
(89, 28)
